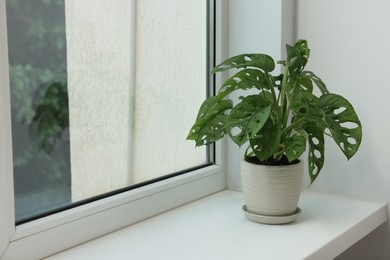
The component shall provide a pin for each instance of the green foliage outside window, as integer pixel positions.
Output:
(39, 103)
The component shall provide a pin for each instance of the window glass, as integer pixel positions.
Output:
(103, 94)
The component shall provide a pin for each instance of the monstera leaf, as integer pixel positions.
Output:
(295, 145)
(210, 124)
(266, 142)
(306, 106)
(297, 57)
(260, 61)
(316, 153)
(245, 79)
(247, 118)
(303, 84)
(308, 75)
(342, 122)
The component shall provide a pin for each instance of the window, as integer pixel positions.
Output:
(151, 88)
(82, 125)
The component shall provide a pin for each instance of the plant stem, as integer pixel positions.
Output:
(283, 100)
(292, 126)
(274, 98)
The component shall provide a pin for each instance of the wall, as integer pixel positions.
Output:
(349, 52)
(349, 42)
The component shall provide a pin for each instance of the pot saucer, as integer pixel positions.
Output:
(273, 220)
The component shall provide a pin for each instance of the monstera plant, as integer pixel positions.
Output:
(288, 113)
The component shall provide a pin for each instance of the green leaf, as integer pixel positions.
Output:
(210, 124)
(261, 61)
(316, 155)
(245, 79)
(295, 145)
(277, 81)
(303, 48)
(301, 84)
(304, 84)
(48, 130)
(247, 118)
(312, 77)
(305, 105)
(297, 57)
(212, 130)
(342, 122)
(266, 142)
(52, 115)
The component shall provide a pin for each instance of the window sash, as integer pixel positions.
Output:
(7, 214)
(40, 238)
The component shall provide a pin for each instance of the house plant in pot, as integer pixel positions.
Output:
(281, 117)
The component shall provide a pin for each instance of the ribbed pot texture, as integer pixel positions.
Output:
(271, 190)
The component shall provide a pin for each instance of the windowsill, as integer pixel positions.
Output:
(215, 228)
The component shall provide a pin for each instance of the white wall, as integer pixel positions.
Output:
(349, 43)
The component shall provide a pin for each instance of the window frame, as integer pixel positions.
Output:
(40, 238)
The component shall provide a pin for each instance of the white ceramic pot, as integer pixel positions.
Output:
(271, 190)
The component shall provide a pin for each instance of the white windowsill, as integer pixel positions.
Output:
(215, 228)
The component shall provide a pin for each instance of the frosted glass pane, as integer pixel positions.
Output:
(170, 85)
(98, 55)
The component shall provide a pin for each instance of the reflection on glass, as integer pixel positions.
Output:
(39, 100)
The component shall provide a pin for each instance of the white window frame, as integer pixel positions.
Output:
(49, 235)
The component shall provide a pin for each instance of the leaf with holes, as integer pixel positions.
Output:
(210, 124)
(247, 118)
(260, 61)
(313, 77)
(297, 57)
(301, 84)
(316, 155)
(266, 142)
(245, 79)
(213, 130)
(304, 84)
(343, 123)
(303, 48)
(277, 81)
(306, 106)
(295, 145)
